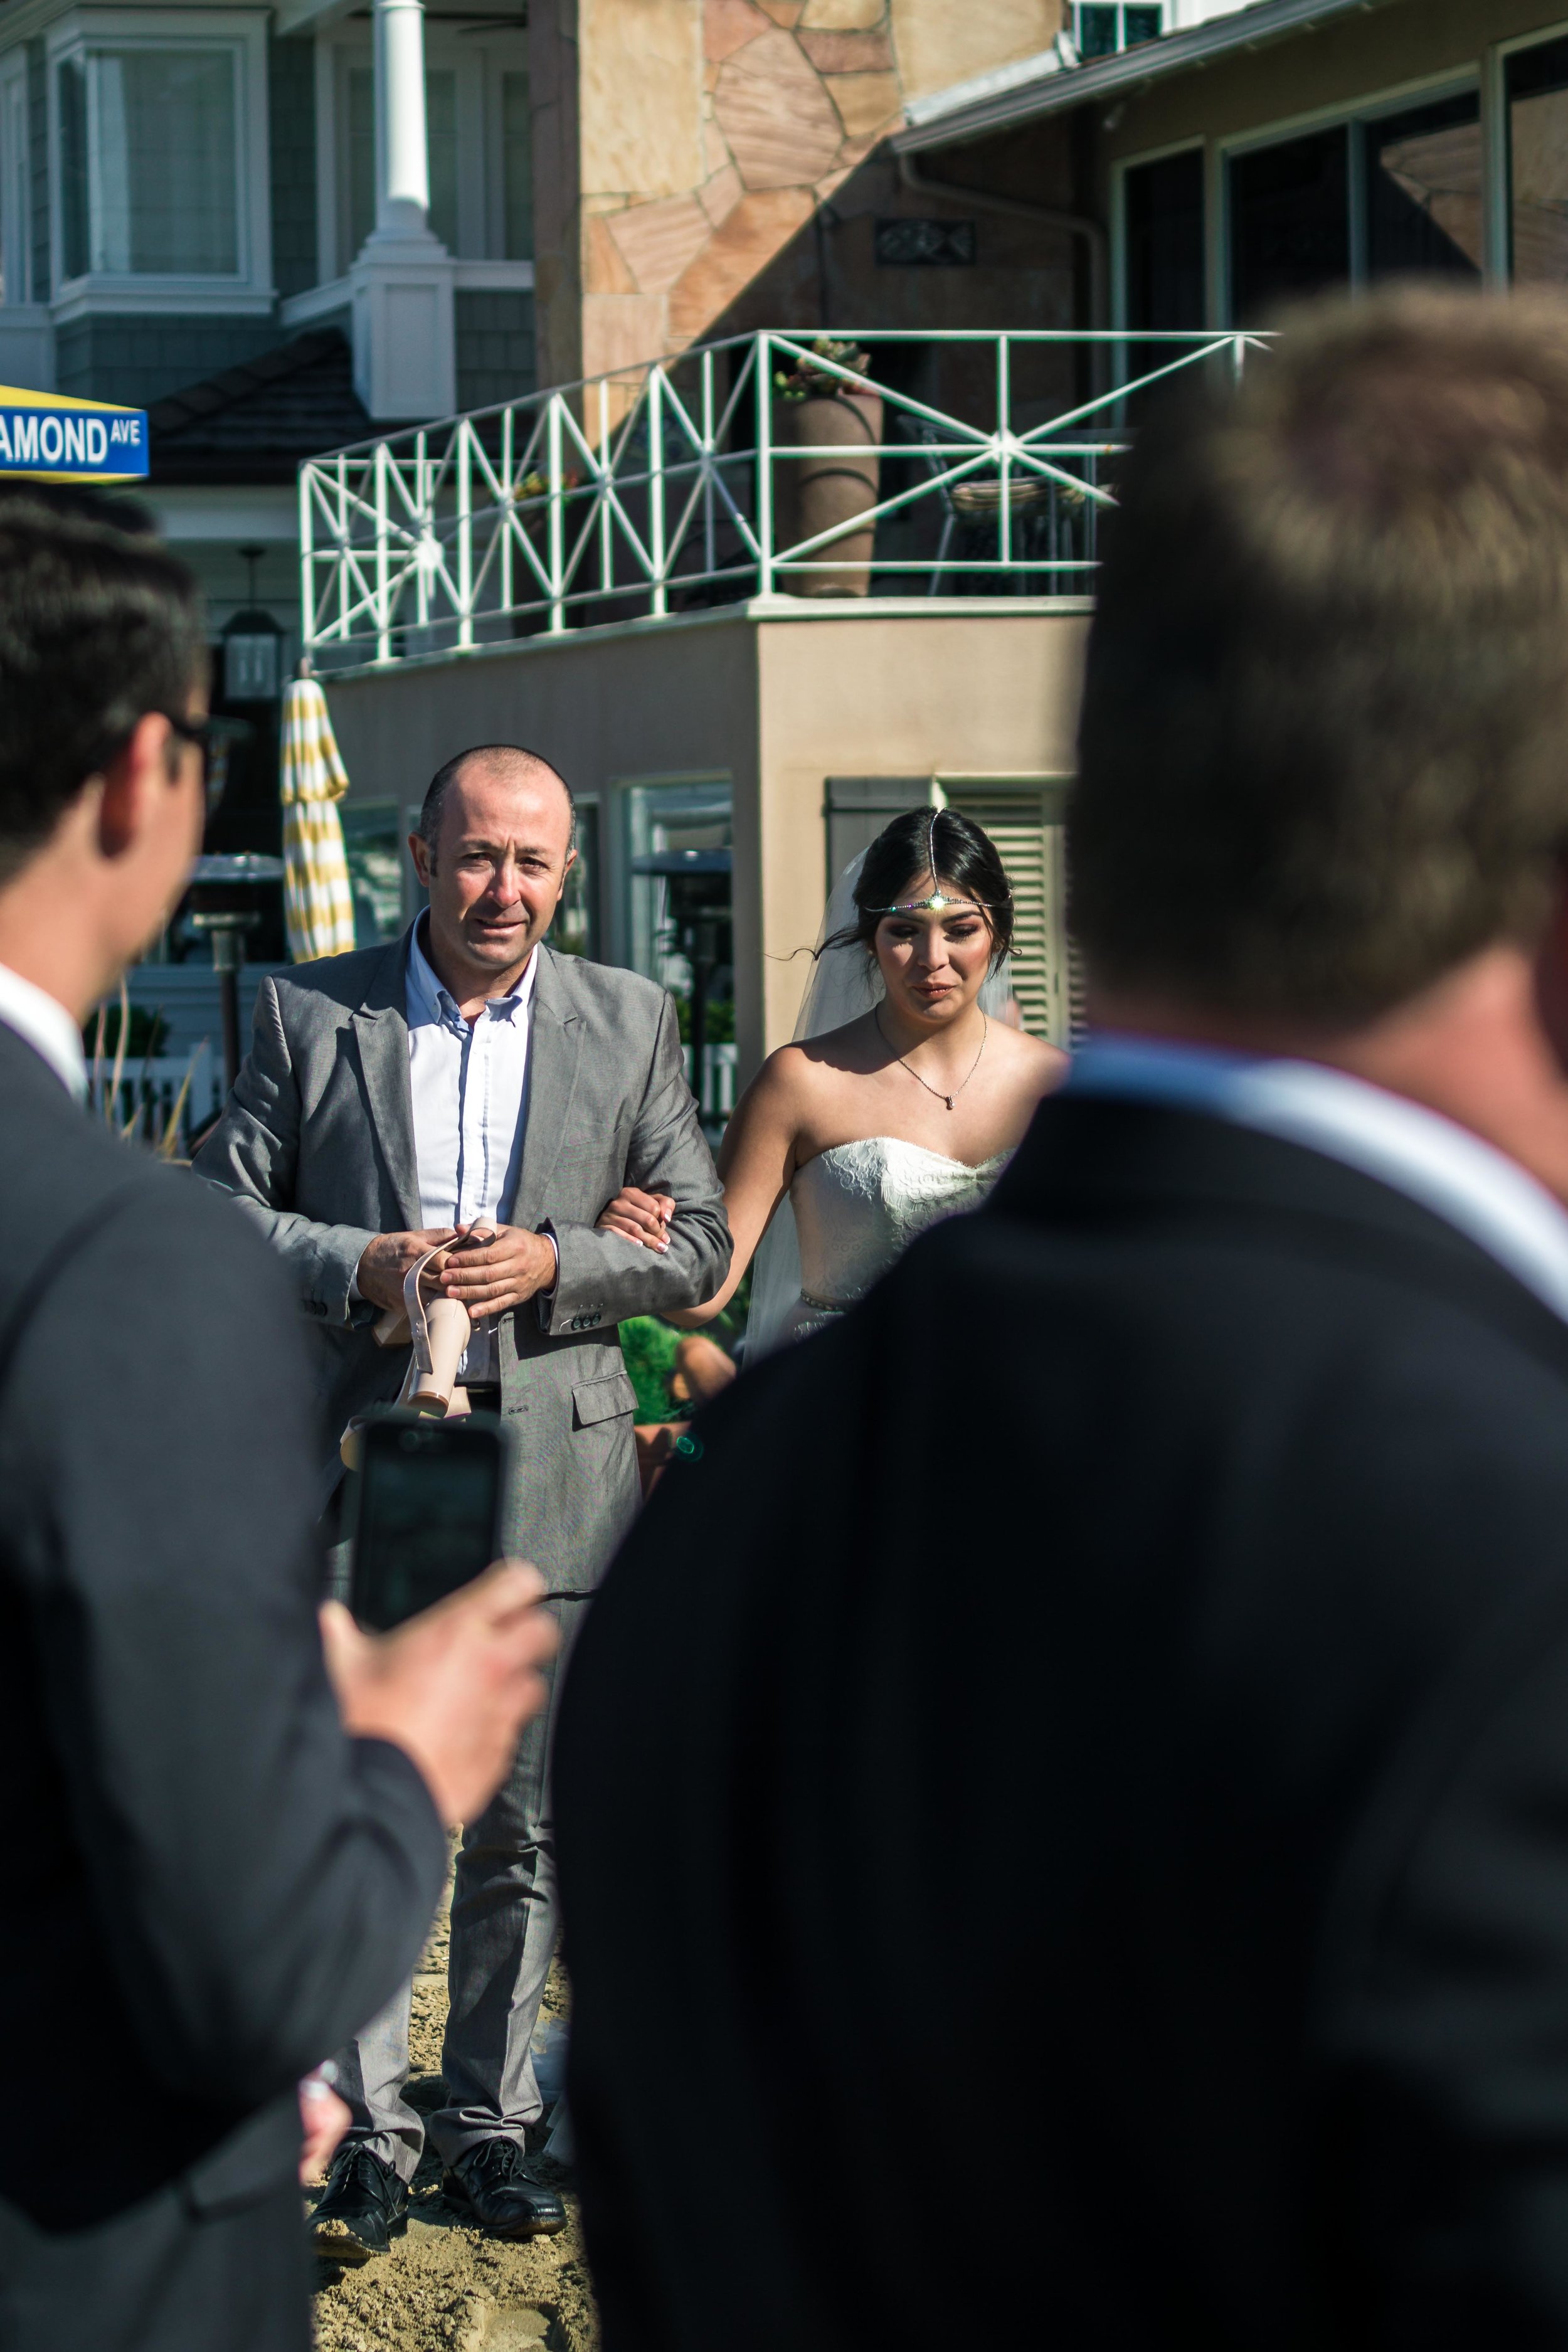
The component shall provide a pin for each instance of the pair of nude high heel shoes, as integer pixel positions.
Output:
(436, 1330)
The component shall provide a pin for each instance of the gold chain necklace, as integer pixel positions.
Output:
(948, 1100)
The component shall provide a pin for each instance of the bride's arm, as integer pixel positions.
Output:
(756, 1164)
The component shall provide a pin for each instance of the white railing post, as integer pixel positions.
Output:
(606, 528)
(465, 539)
(343, 549)
(382, 592)
(425, 523)
(710, 458)
(307, 561)
(656, 486)
(557, 518)
(1005, 423)
(508, 490)
(764, 466)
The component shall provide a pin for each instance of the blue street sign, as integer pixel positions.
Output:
(51, 437)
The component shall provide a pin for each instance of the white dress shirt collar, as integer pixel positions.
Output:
(43, 1022)
(1429, 1159)
(434, 999)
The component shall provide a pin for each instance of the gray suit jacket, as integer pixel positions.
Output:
(316, 1144)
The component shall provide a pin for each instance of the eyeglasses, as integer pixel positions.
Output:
(199, 731)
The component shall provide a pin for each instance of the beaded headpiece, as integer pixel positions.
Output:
(938, 903)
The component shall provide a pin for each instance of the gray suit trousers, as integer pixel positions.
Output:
(504, 1930)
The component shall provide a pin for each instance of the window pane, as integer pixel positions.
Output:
(165, 138)
(576, 927)
(362, 155)
(73, 166)
(373, 847)
(441, 136)
(1538, 161)
(517, 166)
(1289, 220)
(1164, 204)
(1166, 242)
(1099, 33)
(1142, 25)
(1423, 191)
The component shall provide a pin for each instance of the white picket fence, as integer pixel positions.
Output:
(148, 1096)
(716, 1096)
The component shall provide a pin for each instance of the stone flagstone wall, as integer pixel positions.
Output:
(681, 146)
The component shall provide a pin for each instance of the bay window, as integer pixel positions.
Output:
(147, 151)
(158, 132)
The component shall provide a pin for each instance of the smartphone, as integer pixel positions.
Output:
(426, 1514)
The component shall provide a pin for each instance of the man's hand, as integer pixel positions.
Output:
(452, 1687)
(323, 2119)
(639, 1216)
(386, 1260)
(502, 1266)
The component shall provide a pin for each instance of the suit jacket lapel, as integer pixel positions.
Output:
(553, 1046)
(381, 1033)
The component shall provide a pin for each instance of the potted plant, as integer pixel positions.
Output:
(842, 423)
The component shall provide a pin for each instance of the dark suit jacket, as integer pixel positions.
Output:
(205, 1887)
(1093, 1731)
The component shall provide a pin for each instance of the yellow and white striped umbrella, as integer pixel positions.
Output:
(318, 904)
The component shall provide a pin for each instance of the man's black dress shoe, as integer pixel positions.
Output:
(362, 2203)
(493, 2180)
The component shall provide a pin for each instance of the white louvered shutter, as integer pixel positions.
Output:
(1025, 820)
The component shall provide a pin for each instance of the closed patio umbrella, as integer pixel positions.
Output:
(317, 904)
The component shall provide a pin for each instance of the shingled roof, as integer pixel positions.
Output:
(256, 422)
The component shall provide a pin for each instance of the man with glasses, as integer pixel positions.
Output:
(223, 1846)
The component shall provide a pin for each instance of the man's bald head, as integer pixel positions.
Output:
(505, 761)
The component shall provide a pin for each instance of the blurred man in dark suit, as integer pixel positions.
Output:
(1108, 1807)
(223, 1849)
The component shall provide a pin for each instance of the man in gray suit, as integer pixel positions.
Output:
(393, 1098)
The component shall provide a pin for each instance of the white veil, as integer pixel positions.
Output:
(844, 982)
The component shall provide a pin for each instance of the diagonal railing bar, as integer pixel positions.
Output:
(886, 507)
(1220, 346)
(653, 485)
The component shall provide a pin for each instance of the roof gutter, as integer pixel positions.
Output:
(951, 118)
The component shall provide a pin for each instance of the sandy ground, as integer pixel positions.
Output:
(443, 2285)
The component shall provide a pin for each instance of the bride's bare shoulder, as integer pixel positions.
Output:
(813, 1063)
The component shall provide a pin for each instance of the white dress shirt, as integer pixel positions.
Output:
(1417, 1151)
(469, 1081)
(43, 1022)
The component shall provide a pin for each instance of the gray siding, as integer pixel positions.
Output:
(495, 348)
(38, 167)
(140, 360)
(292, 100)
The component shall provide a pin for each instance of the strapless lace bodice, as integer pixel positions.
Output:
(858, 1206)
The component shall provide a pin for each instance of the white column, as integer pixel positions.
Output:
(402, 151)
(403, 279)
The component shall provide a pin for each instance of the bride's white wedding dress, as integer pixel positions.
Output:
(857, 1206)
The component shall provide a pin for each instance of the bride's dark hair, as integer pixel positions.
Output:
(957, 855)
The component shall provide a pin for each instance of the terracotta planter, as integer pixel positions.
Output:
(833, 489)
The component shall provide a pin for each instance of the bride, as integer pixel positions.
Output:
(900, 1100)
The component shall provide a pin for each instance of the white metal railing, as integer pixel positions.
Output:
(657, 489)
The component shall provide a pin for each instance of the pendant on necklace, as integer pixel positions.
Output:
(947, 1100)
